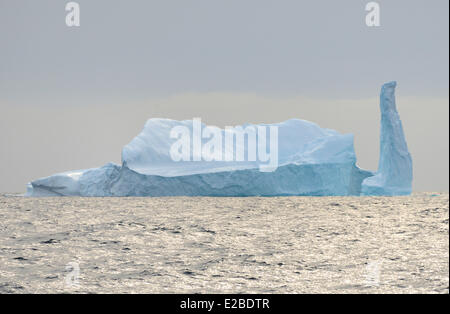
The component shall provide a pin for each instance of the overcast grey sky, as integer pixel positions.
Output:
(70, 98)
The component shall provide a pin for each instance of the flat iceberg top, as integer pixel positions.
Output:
(299, 142)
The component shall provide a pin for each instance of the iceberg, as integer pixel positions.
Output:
(394, 175)
(167, 159)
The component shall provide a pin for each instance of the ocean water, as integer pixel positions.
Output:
(225, 245)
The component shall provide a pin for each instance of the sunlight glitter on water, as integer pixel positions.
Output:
(225, 245)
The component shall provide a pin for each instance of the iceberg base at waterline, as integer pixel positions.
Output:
(310, 161)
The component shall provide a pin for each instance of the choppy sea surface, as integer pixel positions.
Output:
(225, 245)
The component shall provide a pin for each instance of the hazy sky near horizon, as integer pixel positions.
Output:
(71, 98)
